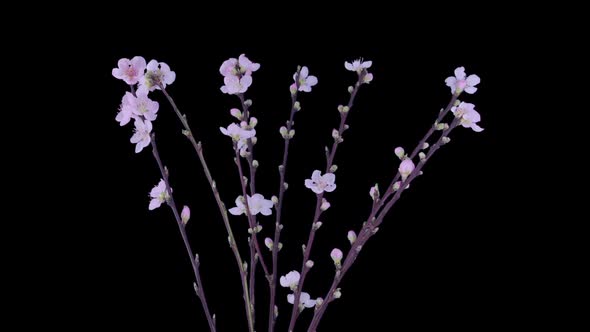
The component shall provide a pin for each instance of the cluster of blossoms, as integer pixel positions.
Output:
(237, 77)
(137, 105)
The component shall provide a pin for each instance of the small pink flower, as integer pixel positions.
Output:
(238, 67)
(185, 215)
(157, 74)
(141, 137)
(238, 135)
(306, 81)
(144, 106)
(459, 83)
(159, 195)
(256, 204)
(468, 115)
(320, 183)
(247, 66)
(405, 168)
(229, 67)
(130, 70)
(336, 255)
(126, 109)
(304, 300)
(290, 280)
(358, 65)
(234, 85)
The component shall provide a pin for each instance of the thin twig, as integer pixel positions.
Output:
(231, 239)
(371, 226)
(282, 173)
(194, 260)
(329, 162)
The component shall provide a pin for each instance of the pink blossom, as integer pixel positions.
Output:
(459, 83)
(290, 280)
(304, 300)
(159, 195)
(141, 137)
(320, 183)
(157, 76)
(306, 81)
(234, 84)
(405, 168)
(238, 67)
(238, 135)
(130, 70)
(144, 106)
(358, 65)
(247, 66)
(468, 115)
(126, 109)
(228, 67)
(256, 204)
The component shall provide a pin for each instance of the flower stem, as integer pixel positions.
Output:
(232, 242)
(318, 211)
(279, 207)
(375, 218)
(194, 262)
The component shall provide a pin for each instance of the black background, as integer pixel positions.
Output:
(450, 253)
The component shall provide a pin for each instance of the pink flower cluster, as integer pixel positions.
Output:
(137, 105)
(237, 74)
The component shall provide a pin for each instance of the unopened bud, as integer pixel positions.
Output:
(185, 215)
(268, 242)
(445, 140)
(284, 132)
(274, 199)
(399, 152)
(425, 146)
(309, 263)
(255, 163)
(325, 204)
(297, 106)
(337, 293)
(248, 102)
(422, 155)
(317, 225)
(253, 122)
(333, 168)
(236, 113)
(351, 237)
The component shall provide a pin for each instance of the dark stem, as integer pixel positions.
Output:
(252, 183)
(253, 227)
(232, 242)
(318, 212)
(279, 208)
(194, 261)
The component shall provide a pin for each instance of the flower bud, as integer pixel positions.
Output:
(399, 152)
(351, 237)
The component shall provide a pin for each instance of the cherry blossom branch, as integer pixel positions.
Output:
(318, 211)
(231, 239)
(370, 228)
(272, 312)
(194, 260)
(418, 148)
